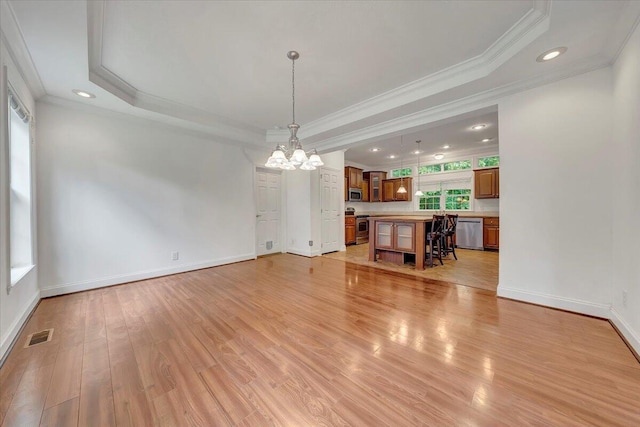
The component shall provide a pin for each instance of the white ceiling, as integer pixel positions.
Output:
(220, 67)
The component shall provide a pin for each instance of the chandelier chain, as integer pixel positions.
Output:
(293, 88)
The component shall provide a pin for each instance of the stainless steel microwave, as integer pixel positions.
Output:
(355, 195)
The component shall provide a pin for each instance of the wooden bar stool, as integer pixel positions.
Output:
(449, 231)
(434, 239)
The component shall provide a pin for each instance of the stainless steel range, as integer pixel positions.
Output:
(362, 229)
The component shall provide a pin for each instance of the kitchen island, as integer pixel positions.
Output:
(398, 239)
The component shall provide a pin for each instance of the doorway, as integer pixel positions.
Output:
(331, 188)
(268, 212)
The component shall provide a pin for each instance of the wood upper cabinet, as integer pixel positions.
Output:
(398, 236)
(349, 230)
(375, 179)
(365, 190)
(390, 190)
(491, 233)
(487, 183)
(354, 176)
(346, 189)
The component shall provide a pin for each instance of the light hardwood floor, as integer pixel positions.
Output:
(287, 340)
(478, 269)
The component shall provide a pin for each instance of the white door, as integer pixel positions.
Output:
(331, 186)
(268, 212)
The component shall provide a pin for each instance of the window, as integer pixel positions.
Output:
(485, 162)
(397, 173)
(457, 199)
(454, 195)
(429, 169)
(20, 212)
(430, 201)
(456, 166)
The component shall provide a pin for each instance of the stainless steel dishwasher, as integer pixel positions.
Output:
(469, 233)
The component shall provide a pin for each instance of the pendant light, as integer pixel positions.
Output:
(419, 193)
(288, 158)
(401, 189)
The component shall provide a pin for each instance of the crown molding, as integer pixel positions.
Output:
(13, 39)
(418, 120)
(114, 84)
(618, 40)
(534, 23)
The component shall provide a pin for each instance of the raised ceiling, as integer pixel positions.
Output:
(368, 71)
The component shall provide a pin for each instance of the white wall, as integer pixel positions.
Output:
(625, 189)
(15, 306)
(118, 195)
(555, 194)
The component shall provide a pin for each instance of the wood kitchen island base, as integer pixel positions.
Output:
(398, 239)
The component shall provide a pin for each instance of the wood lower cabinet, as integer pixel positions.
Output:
(491, 233)
(487, 183)
(349, 230)
(390, 190)
(398, 236)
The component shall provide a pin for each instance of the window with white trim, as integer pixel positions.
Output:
(453, 195)
(20, 211)
(487, 162)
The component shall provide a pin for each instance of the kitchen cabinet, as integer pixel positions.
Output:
(398, 239)
(487, 183)
(354, 176)
(365, 190)
(375, 179)
(491, 233)
(390, 190)
(346, 189)
(350, 230)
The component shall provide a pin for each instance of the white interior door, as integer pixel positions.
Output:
(268, 212)
(330, 181)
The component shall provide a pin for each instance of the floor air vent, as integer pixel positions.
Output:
(39, 337)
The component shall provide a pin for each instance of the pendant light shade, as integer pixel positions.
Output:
(288, 158)
(401, 189)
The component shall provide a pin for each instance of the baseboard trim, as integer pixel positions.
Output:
(16, 327)
(68, 288)
(568, 304)
(628, 335)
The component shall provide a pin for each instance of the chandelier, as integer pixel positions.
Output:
(288, 158)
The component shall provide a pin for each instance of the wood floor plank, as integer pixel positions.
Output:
(287, 340)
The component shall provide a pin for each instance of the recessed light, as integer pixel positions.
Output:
(486, 140)
(83, 93)
(446, 147)
(478, 127)
(393, 156)
(417, 152)
(551, 54)
(375, 150)
(438, 156)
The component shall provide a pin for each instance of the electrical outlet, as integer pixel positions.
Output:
(310, 242)
(175, 255)
(624, 299)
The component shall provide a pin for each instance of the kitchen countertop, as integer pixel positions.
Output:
(429, 215)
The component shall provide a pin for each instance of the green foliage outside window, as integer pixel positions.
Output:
(430, 169)
(430, 200)
(485, 162)
(397, 173)
(457, 199)
(456, 166)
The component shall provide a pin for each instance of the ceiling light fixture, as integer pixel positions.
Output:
(419, 192)
(486, 140)
(83, 93)
(288, 158)
(393, 156)
(401, 189)
(438, 156)
(446, 147)
(375, 150)
(478, 127)
(551, 54)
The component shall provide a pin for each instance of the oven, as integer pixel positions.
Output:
(362, 229)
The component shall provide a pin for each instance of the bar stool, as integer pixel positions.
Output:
(449, 231)
(434, 239)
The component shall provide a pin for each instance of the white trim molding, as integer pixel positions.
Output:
(7, 340)
(554, 301)
(67, 288)
(632, 338)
